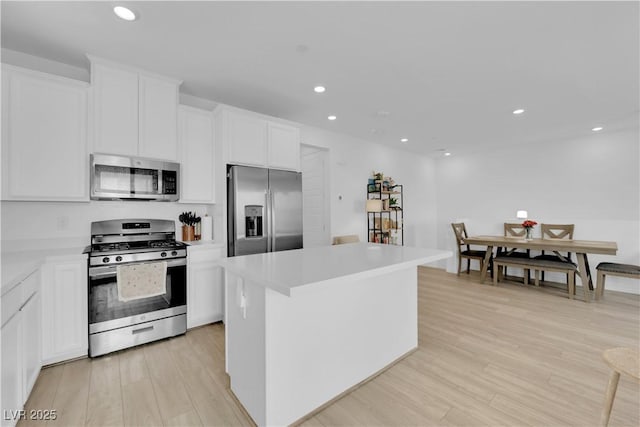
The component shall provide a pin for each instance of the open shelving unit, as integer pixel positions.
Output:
(386, 225)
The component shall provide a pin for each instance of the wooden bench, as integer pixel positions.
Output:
(537, 265)
(621, 361)
(614, 269)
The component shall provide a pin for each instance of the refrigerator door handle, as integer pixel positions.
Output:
(272, 221)
(267, 225)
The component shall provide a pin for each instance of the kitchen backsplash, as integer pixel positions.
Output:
(31, 225)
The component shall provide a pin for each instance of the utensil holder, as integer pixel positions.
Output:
(188, 233)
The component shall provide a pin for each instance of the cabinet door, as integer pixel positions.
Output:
(31, 342)
(115, 110)
(64, 311)
(283, 146)
(158, 118)
(11, 370)
(246, 139)
(44, 138)
(196, 156)
(205, 302)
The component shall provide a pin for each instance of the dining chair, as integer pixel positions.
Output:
(464, 250)
(514, 230)
(556, 231)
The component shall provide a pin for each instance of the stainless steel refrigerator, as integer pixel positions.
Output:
(264, 210)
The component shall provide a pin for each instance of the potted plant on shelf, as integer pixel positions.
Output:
(393, 203)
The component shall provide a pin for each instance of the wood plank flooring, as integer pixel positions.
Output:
(495, 356)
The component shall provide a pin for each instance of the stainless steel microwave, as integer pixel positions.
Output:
(133, 178)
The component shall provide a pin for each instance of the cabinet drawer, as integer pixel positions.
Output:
(205, 255)
(142, 333)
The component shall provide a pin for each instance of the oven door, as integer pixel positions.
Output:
(107, 311)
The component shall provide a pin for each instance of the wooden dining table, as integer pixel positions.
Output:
(580, 247)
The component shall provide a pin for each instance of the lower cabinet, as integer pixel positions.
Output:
(11, 371)
(31, 343)
(205, 299)
(21, 356)
(64, 309)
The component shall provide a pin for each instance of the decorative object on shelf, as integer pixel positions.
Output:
(190, 223)
(528, 228)
(374, 205)
(384, 210)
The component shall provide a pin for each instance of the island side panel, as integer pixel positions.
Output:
(245, 343)
(322, 342)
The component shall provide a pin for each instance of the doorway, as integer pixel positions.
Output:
(316, 207)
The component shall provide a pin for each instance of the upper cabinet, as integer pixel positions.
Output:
(44, 137)
(283, 146)
(196, 155)
(134, 112)
(246, 139)
(251, 139)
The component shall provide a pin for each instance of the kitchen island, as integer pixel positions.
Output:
(304, 326)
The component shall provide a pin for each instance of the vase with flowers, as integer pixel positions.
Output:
(528, 228)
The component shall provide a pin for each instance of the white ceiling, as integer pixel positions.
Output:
(448, 73)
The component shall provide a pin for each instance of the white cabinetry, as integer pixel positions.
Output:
(115, 110)
(196, 155)
(134, 112)
(31, 341)
(21, 357)
(246, 139)
(283, 146)
(205, 299)
(11, 369)
(64, 308)
(44, 137)
(158, 132)
(254, 140)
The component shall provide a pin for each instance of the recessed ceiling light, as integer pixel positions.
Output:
(447, 153)
(124, 13)
(332, 117)
(518, 111)
(597, 128)
(319, 89)
(404, 140)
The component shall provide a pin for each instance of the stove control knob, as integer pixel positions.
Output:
(163, 254)
(118, 258)
(105, 259)
(174, 253)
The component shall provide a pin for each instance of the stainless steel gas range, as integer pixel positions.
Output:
(137, 284)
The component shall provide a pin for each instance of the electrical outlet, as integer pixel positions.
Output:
(62, 222)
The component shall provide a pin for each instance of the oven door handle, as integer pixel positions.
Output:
(111, 270)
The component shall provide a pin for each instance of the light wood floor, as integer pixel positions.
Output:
(505, 356)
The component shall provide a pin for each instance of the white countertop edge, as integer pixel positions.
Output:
(17, 266)
(301, 289)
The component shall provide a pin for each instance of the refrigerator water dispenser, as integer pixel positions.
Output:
(253, 220)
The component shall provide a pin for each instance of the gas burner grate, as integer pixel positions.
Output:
(113, 247)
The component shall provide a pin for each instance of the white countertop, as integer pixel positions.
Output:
(16, 266)
(289, 272)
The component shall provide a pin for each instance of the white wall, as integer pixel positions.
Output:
(29, 225)
(592, 182)
(351, 162)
